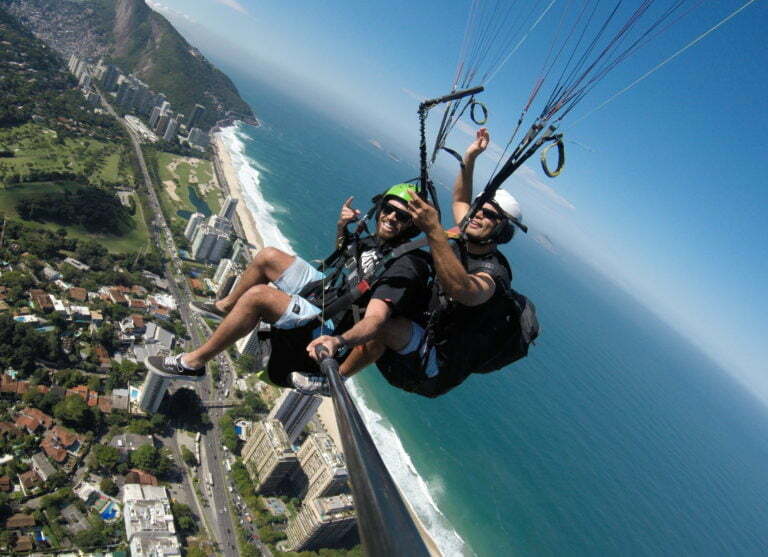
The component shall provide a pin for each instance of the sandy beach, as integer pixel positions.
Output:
(226, 175)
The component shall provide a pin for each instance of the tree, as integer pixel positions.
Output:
(108, 486)
(185, 519)
(151, 459)
(95, 536)
(75, 413)
(188, 457)
(104, 458)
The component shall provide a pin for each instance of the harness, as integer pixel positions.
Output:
(441, 306)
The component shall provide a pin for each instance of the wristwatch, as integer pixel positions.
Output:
(343, 344)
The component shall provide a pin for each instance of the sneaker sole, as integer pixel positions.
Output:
(205, 313)
(177, 376)
(161, 373)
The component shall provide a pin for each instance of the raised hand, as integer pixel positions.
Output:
(424, 215)
(479, 144)
(347, 213)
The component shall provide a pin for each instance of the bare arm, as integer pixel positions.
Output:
(462, 187)
(346, 215)
(465, 288)
(376, 313)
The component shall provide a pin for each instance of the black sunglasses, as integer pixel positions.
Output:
(401, 216)
(488, 214)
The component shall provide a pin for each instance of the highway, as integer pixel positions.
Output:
(212, 451)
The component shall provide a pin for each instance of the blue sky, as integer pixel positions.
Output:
(664, 189)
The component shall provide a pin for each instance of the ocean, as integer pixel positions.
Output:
(614, 437)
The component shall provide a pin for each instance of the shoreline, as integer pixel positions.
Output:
(245, 224)
(226, 176)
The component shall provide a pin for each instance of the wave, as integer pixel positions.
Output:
(249, 173)
(415, 489)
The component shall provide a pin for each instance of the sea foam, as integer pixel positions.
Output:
(249, 173)
(418, 493)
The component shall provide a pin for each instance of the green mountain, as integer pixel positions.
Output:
(138, 40)
(35, 85)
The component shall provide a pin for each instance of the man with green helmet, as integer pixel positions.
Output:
(400, 290)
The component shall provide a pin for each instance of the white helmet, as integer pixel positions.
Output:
(508, 205)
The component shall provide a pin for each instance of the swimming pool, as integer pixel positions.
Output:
(109, 512)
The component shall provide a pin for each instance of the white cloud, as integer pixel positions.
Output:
(234, 4)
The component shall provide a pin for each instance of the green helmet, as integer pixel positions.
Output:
(403, 192)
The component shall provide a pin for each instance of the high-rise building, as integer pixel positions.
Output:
(126, 103)
(170, 131)
(142, 93)
(228, 208)
(223, 270)
(72, 63)
(81, 67)
(122, 90)
(268, 456)
(194, 221)
(238, 250)
(294, 410)
(202, 242)
(149, 102)
(154, 117)
(85, 80)
(225, 286)
(324, 467)
(93, 99)
(198, 138)
(163, 121)
(194, 118)
(110, 77)
(249, 344)
(321, 523)
(152, 392)
(221, 246)
(220, 224)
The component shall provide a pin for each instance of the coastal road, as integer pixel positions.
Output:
(217, 512)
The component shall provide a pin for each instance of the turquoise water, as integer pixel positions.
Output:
(614, 437)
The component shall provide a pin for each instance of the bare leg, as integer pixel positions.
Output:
(266, 267)
(395, 335)
(362, 356)
(257, 303)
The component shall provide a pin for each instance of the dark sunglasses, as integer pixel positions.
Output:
(401, 216)
(490, 215)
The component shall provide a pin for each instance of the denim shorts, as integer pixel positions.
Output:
(299, 311)
(417, 342)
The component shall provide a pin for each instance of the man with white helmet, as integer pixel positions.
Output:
(470, 278)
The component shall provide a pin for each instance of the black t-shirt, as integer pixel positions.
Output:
(404, 286)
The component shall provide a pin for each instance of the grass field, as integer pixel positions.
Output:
(186, 186)
(132, 241)
(36, 149)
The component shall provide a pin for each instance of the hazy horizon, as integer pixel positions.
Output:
(647, 237)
